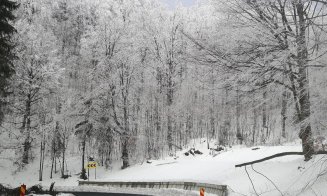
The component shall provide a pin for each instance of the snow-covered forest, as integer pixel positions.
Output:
(133, 80)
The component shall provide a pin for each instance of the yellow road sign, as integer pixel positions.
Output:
(92, 164)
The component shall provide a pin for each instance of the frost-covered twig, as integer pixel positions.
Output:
(320, 174)
(230, 188)
(269, 180)
(251, 181)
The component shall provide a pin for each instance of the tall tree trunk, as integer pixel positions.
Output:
(53, 155)
(125, 136)
(43, 156)
(125, 151)
(212, 107)
(27, 142)
(149, 134)
(169, 133)
(83, 172)
(254, 121)
(264, 118)
(169, 118)
(170, 92)
(41, 161)
(63, 156)
(51, 171)
(283, 113)
(157, 126)
(212, 123)
(304, 100)
(227, 118)
(238, 114)
(56, 144)
(56, 134)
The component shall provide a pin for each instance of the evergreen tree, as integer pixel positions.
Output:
(6, 46)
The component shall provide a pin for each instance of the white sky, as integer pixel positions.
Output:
(172, 3)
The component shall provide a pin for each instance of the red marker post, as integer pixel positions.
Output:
(22, 190)
(201, 191)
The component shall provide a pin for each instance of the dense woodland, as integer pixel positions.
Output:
(132, 80)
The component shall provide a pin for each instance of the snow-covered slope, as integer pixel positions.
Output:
(289, 174)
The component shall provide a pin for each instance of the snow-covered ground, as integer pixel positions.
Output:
(288, 175)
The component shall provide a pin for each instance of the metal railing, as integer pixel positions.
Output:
(219, 190)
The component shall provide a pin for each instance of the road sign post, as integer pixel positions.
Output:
(201, 191)
(92, 165)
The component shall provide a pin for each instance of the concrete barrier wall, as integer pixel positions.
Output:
(219, 190)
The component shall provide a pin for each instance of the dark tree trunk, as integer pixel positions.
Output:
(83, 172)
(42, 149)
(189, 127)
(53, 154)
(254, 121)
(125, 151)
(227, 118)
(212, 123)
(264, 118)
(283, 113)
(126, 133)
(149, 134)
(27, 126)
(304, 100)
(212, 107)
(169, 118)
(51, 167)
(52, 158)
(169, 133)
(63, 156)
(238, 114)
(157, 127)
(170, 94)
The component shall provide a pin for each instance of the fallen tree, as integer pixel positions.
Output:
(275, 156)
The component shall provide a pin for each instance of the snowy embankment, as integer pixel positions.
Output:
(288, 175)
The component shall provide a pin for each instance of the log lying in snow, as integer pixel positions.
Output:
(193, 152)
(275, 156)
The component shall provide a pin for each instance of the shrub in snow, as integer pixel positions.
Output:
(193, 152)
(8, 191)
(217, 150)
(198, 152)
(320, 143)
(35, 189)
